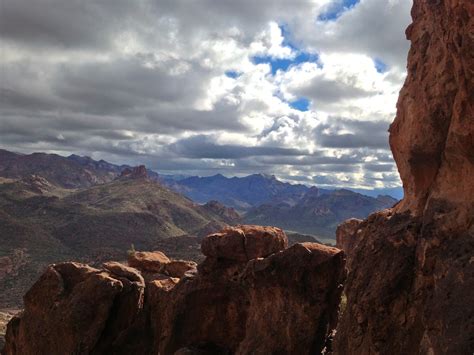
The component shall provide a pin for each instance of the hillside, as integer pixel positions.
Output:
(42, 224)
(318, 213)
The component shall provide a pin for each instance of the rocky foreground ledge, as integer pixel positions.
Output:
(252, 294)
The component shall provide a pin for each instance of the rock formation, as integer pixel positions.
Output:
(411, 284)
(348, 234)
(137, 172)
(251, 294)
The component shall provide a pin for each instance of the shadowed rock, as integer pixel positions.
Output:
(286, 303)
(411, 281)
(76, 309)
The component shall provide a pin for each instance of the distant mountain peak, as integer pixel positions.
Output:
(137, 172)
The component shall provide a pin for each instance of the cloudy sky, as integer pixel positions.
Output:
(301, 89)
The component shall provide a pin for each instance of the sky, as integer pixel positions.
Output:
(301, 89)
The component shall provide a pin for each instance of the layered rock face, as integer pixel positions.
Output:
(411, 284)
(251, 294)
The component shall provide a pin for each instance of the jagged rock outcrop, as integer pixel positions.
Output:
(156, 262)
(411, 284)
(348, 234)
(76, 309)
(284, 300)
(148, 261)
(137, 172)
(244, 242)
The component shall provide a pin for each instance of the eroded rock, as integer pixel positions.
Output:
(348, 235)
(76, 309)
(286, 302)
(146, 261)
(243, 243)
(411, 284)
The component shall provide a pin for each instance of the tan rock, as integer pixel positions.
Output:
(146, 261)
(177, 268)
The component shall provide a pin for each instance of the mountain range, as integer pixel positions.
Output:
(264, 200)
(318, 212)
(55, 208)
(42, 223)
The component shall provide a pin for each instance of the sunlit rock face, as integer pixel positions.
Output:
(432, 137)
(411, 284)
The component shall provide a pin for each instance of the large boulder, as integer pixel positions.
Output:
(76, 309)
(245, 242)
(148, 261)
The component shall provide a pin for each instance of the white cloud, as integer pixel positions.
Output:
(129, 82)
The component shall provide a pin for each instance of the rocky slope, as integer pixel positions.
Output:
(251, 294)
(42, 224)
(411, 284)
(318, 213)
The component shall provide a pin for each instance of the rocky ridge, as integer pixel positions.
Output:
(411, 281)
(269, 299)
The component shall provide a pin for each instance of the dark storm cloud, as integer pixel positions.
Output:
(325, 91)
(201, 146)
(125, 84)
(344, 133)
(66, 24)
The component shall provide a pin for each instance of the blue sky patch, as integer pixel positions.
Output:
(232, 74)
(337, 9)
(380, 66)
(284, 64)
(302, 104)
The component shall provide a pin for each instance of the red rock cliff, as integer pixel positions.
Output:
(411, 285)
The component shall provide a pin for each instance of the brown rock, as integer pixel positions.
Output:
(123, 271)
(293, 300)
(244, 242)
(432, 137)
(74, 308)
(411, 284)
(285, 303)
(294, 293)
(146, 261)
(137, 172)
(348, 234)
(177, 268)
